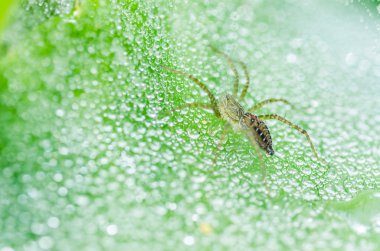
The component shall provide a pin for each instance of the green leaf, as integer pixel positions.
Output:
(94, 157)
(5, 5)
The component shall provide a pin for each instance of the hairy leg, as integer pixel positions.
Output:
(236, 83)
(221, 139)
(261, 163)
(233, 68)
(247, 80)
(214, 104)
(268, 101)
(292, 125)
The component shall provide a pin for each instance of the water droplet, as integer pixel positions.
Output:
(189, 240)
(291, 58)
(350, 59)
(53, 222)
(112, 229)
(60, 112)
(46, 242)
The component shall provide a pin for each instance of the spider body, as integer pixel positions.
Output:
(252, 126)
(230, 110)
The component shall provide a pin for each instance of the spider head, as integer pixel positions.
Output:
(230, 109)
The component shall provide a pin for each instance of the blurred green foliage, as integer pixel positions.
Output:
(5, 6)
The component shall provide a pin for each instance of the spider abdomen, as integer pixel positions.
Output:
(258, 132)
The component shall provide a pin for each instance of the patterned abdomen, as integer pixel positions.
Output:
(257, 131)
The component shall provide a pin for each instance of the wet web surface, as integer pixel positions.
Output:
(91, 158)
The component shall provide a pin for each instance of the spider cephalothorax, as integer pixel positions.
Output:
(229, 109)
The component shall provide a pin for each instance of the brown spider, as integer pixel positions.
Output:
(229, 109)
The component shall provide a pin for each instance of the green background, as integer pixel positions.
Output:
(90, 158)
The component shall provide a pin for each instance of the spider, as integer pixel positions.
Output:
(232, 112)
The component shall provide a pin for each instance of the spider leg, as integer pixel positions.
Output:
(268, 101)
(233, 68)
(261, 163)
(221, 139)
(247, 80)
(214, 103)
(292, 125)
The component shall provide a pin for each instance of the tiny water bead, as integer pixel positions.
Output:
(45, 242)
(112, 229)
(188, 240)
